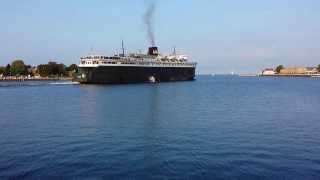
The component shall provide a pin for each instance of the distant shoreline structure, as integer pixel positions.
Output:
(282, 71)
(290, 75)
(52, 71)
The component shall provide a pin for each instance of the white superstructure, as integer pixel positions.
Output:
(136, 60)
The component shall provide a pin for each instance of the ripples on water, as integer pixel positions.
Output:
(212, 128)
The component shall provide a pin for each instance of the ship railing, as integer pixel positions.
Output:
(138, 62)
(152, 63)
(144, 62)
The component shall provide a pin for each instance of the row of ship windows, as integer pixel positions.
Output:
(97, 62)
(118, 58)
(89, 62)
(100, 57)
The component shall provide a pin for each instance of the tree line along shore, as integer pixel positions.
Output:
(18, 70)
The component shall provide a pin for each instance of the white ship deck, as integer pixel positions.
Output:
(97, 61)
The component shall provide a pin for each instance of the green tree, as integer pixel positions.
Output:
(56, 69)
(7, 71)
(18, 68)
(2, 69)
(72, 67)
(51, 69)
(43, 70)
(278, 69)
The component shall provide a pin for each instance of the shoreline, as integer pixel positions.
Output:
(20, 79)
(292, 75)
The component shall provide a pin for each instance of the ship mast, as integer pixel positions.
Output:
(122, 45)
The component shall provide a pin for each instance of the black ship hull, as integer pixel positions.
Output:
(133, 74)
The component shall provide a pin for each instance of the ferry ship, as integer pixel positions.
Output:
(135, 68)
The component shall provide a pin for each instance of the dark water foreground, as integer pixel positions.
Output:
(212, 128)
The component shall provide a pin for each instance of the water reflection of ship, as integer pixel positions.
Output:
(152, 125)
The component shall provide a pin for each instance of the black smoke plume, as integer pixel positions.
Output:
(148, 20)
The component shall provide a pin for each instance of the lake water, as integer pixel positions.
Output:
(220, 127)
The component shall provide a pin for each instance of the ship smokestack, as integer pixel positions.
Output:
(153, 51)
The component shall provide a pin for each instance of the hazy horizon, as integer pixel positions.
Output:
(222, 36)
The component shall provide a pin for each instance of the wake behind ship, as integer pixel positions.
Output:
(135, 68)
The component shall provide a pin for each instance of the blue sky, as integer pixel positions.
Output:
(221, 35)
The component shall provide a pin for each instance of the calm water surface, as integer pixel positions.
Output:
(212, 128)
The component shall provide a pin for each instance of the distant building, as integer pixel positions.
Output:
(294, 71)
(312, 70)
(268, 72)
